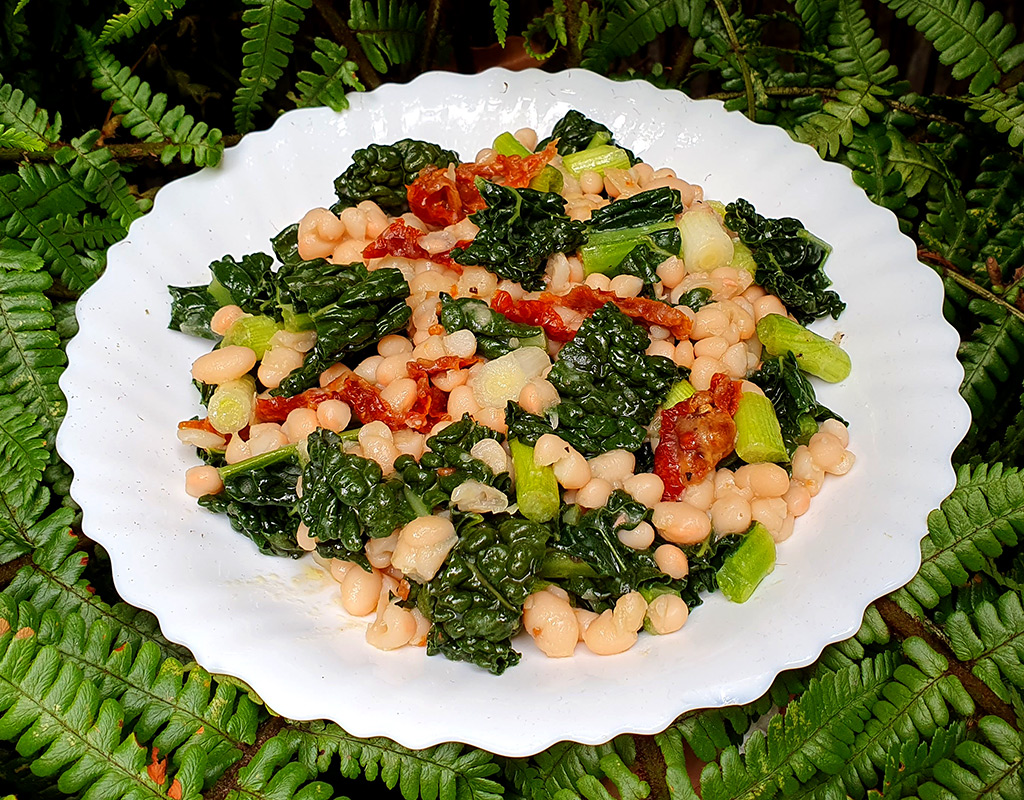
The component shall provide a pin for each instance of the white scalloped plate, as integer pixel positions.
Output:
(278, 624)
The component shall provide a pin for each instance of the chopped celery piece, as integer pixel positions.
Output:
(596, 159)
(231, 404)
(748, 564)
(600, 138)
(814, 354)
(252, 332)
(718, 206)
(758, 435)
(678, 393)
(536, 487)
(604, 250)
(296, 323)
(508, 145)
(548, 180)
(706, 245)
(742, 258)
(220, 293)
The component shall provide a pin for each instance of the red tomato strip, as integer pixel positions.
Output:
(277, 409)
(397, 239)
(533, 312)
(695, 435)
(587, 300)
(199, 425)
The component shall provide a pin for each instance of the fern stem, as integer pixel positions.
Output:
(748, 81)
(906, 626)
(435, 10)
(343, 35)
(228, 782)
(133, 151)
(951, 272)
(572, 24)
(650, 767)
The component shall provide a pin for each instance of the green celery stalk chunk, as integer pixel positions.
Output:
(252, 332)
(678, 393)
(596, 159)
(549, 179)
(748, 564)
(604, 250)
(758, 434)
(508, 145)
(814, 354)
(742, 258)
(220, 293)
(536, 487)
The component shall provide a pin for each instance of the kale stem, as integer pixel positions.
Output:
(257, 462)
(744, 66)
(416, 502)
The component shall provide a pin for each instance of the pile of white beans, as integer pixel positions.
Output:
(722, 340)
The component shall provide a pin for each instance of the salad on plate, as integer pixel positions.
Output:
(554, 389)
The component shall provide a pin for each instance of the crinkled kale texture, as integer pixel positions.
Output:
(381, 172)
(790, 261)
(576, 132)
(519, 229)
(609, 387)
(476, 600)
(495, 334)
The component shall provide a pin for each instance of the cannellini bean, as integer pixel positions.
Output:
(277, 364)
(339, 568)
(299, 424)
(375, 430)
(461, 344)
(667, 613)
(826, 450)
(768, 304)
(333, 373)
(449, 379)
(837, 429)
(400, 394)
(701, 495)
(376, 219)
(197, 437)
(378, 551)
(616, 631)
(626, 285)
(845, 464)
(680, 522)
(437, 242)
(663, 348)
(237, 450)
(392, 369)
(584, 616)
(552, 623)
(349, 251)
(431, 348)
(334, 415)
(594, 494)
(764, 480)
(770, 512)
(360, 591)
(422, 547)
(462, 401)
(683, 354)
(202, 480)
(381, 450)
(319, 232)
(265, 437)
(367, 368)
(477, 282)
(410, 443)
(419, 639)
(591, 182)
(730, 513)
(224, 317)
(493, 418)
(393, 345)
(735, 360)
(394, 627)
(703, 370)
(797, 498)
(807, 471)
(538, 395)
(492, 454)
(615, 466)
(224, 364)
(712, 347)
(527, 137)
(671, 271)
(304, 540)
(573, 472)
(711, 320)
(785, 531)
(645, 487)
(639, 538)
(597, 280)
(672, 561)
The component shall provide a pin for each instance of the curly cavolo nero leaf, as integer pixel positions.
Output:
(575, 132)
(793, 397)
(495, 334)
(476, 601)
(790, 261)
(519, 229)
(381, 172)
(271, 527)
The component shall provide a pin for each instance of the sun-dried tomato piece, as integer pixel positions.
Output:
(366, 403)
(533, 312)
(277, 409)
(434, 198)
(445, 256)
(203, 424)
(586, 300)
(397, 239)
(695, 435)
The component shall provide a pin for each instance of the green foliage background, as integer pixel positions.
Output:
(103, 102)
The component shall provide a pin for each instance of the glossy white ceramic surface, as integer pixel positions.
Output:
(278, 624)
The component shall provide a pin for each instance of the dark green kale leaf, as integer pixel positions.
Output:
(381, 172)
(192, 310)
(519, 229)
(524, 426)
(695, 299)
(250, 281)
(370, 305)
(286, 245)
(346, 500)
(272, 528)
(495, 334)
(793, 397)
(790, 261)
(645, 208)
(475, 602)
(610, 388)
(576, 132)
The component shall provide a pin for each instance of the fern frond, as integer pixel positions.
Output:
(390, 35)
(991, 640)
(1005, 245)
(816, 16)
(91, 231)
(982, 515)
(989, 355)
(998, 186)
(868, 155)
(815, 734)
(274, 775)
(33, 194)
(965, 38)
(21, 114)
(12, 138)
(445, 772)
(949, 230)
(980, 770)
(265, 52)
(1003, 111)
(31, 360)
(141, 14)
(921, 169)
(1008, 447)
(499, 12)
(630, 24)
(23, 447)
(101, 176)
(60, 721)
(146, 114)
(327, 88)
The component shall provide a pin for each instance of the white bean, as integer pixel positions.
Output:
(667, 613)
(672, 561)
(616, 631)
(681, 522)
(360, 591)
(224, 364)
(202, 480)
(334, 415)
(552, 623)
(639, 538)
(394, 627)
(423, 545)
